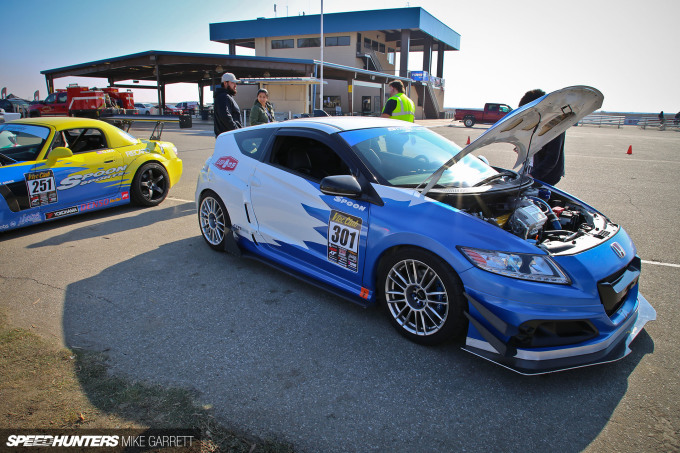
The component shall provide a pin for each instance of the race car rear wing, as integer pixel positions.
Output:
(125, 121)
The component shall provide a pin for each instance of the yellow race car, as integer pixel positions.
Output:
(57, 167)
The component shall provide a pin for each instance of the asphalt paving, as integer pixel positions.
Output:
(278, 358)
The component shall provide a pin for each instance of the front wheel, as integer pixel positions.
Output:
(422, 296)
(150, 185)
(213, 220)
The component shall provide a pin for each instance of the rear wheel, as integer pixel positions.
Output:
(150, 185)
(213, 220)
(422, 296)
(469, 122)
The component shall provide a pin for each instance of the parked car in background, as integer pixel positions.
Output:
(15, 105)
(57, 167)
(169, 110)
(144, 108)
(8, 116)
(489, 115)
(190, 107)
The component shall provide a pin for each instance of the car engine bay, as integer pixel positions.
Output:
(552, 221)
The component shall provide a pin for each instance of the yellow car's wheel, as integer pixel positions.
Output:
(150, 185)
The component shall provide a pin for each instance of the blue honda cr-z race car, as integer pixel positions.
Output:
(384, 211)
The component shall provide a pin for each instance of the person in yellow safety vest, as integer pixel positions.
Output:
(399, 106)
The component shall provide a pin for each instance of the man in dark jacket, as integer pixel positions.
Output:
(227, 114)
(548, 162)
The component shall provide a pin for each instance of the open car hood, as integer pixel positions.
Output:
(532, 126)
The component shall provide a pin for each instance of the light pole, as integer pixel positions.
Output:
(322, 43)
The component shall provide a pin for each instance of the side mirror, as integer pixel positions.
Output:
(341, 185)
(58, 153)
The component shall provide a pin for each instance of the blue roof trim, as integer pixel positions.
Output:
(356, 21)
(184, 54)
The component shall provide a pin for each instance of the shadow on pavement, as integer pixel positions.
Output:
(277, 358)
(110, 225)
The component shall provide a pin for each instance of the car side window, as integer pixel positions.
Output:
(84, 140)
(252, 142)
(62, 97)
(58, 140)
(307, 157)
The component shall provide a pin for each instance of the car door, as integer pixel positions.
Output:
(92, 174)
(320, 235)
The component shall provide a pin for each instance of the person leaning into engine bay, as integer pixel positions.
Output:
(548, 163)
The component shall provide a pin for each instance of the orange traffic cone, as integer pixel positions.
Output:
(468, 142)
(630, 150)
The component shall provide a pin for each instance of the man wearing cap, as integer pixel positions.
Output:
(227, 113)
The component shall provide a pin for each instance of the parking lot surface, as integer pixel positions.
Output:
(278, 358)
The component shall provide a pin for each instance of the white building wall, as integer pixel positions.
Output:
(344, 55)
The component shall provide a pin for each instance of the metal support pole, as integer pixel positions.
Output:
(322, 43)
(403, 52)
(161, 104)
(440, 61)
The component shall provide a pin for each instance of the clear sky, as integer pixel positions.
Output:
(628, 49)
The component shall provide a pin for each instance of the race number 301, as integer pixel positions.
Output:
(343, 240)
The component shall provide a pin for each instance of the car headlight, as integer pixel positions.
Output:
(538, 268)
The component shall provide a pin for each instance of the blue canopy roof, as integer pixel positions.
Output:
(389, 21)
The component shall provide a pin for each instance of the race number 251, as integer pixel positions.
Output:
(41, 188)
(40, 182)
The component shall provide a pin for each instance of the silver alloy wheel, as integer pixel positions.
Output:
(212, 221)
(416, 297)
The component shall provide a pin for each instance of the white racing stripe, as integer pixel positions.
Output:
(661, 264)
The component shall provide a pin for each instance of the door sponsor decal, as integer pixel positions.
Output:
(61, 212)
(87, 178)
(343, 240)
(226, 163)
(41, 188)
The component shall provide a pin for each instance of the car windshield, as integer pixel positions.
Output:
(21, 142)
(408, 156)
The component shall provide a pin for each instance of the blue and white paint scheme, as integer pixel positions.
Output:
(382, 211)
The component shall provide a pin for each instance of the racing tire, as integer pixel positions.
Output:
(213, 220)
(469, 122)
(148, 113)
(150, 185)
(422, 296)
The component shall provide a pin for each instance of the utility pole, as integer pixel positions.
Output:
(322, 43)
